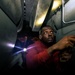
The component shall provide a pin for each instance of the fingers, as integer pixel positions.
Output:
(65, 57)
(71, 44)
(72, 40)
(72, 36)
(68, 41)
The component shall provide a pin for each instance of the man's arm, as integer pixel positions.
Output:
(35, 59)
(66, 42)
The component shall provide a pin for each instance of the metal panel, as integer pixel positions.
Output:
(8, 35)
(41, 8)
(12, 8)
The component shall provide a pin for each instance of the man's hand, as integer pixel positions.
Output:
(65, 56)
(67, 41)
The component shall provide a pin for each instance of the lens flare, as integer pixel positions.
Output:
(24, 49)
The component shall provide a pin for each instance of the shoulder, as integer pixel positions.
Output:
(35, 45)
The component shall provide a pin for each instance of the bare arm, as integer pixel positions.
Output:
(67, 41)
(34, 59)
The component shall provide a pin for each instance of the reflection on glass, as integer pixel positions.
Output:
(68, 11)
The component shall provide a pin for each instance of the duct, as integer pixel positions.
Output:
(8, 35)
(12, 8)
(39, 10)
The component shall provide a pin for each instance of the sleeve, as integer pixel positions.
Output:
(56, 56)
(34, 59)
(56, 60)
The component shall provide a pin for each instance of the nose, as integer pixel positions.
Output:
(50, 34)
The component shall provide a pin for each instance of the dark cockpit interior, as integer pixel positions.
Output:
(21, 20)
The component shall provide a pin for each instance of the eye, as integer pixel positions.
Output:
(45, 32)
(51, 32)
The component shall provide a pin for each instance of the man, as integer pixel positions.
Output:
(45, 54)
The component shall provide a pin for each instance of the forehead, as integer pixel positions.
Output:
(47, 28)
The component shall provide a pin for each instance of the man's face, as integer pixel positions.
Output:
(47, 35)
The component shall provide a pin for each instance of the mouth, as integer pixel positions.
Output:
(50, 39)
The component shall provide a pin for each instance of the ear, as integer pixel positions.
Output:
(40, 37)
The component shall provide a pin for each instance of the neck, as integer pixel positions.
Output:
(48, 44)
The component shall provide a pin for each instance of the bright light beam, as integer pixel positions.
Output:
(22, 50)
(56, 4)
